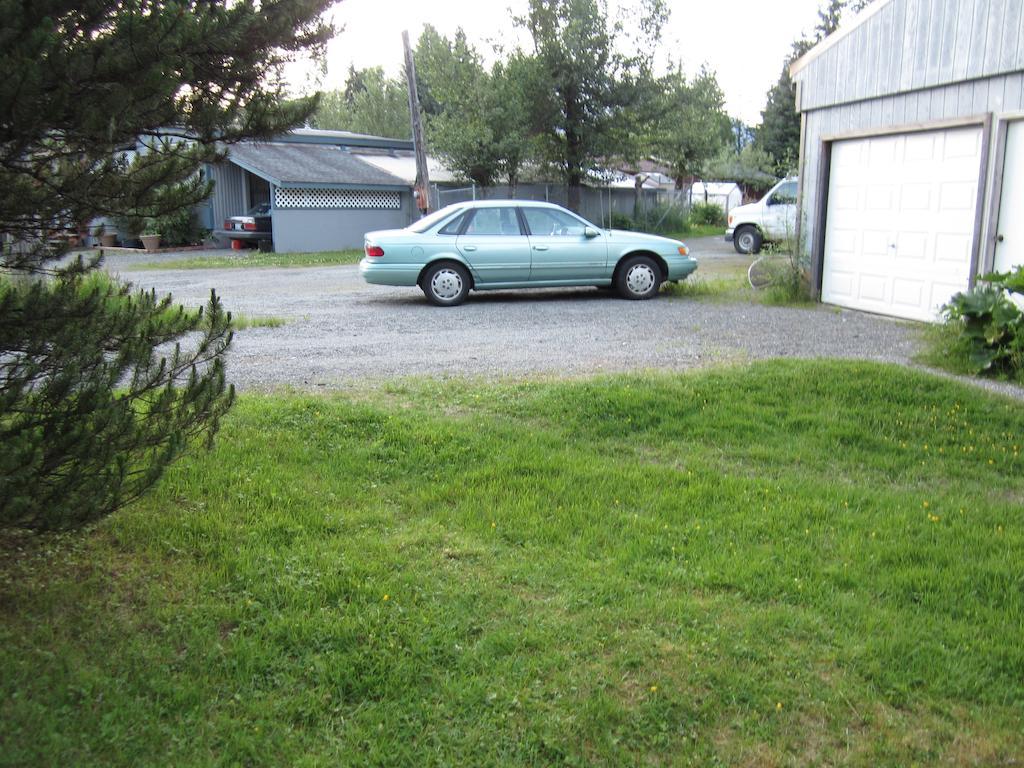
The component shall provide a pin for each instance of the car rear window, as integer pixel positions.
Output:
(453, 226)
(432, 219)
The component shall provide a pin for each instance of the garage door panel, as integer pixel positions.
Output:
(881, 152)
(920, 148)
(942, 292)
(907, 293)
(958, 196)
(842, 284)
(953, 248)
(875, 244)
(965, 144)
(900, 225)
(880, 197)
(910, 246)
(915, 197)
(873, 288)
(847, 199)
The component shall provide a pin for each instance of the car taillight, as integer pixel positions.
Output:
(374, 250)
(249, 225)
(684, 251)
(227, 224)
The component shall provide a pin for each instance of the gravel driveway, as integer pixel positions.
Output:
(340, 330)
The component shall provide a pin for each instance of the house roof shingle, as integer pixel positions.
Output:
(284, 164)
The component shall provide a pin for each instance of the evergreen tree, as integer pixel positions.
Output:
(110, 109)
(779, 132)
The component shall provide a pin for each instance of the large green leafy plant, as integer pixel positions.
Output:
(988, 325)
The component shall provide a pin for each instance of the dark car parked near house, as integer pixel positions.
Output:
(254, 226)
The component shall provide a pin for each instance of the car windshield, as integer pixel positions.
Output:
(430, 220)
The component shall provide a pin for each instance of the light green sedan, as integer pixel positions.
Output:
(491, 244)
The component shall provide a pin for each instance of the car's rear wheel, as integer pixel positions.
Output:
(445, 284)
(747, 240)
(639, 277)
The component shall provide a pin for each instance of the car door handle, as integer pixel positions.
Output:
(540, 247)
(469, 247)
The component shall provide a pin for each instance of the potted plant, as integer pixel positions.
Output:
(149, 236)
(106, 238)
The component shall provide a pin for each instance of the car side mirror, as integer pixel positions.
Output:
(590, 232)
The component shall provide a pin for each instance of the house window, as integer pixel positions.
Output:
(337, 198)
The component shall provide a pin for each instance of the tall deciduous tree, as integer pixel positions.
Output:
(96, 394)
(477, 119)
(694, 126)
(580, 99)
(752, 168)
(460, 124)
(370, 103)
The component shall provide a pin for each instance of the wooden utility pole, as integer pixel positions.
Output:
(422, 190)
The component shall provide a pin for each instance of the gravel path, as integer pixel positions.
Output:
(341, 331)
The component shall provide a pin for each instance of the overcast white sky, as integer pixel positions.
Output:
(743, 41)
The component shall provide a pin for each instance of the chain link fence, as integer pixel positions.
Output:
(609, 207)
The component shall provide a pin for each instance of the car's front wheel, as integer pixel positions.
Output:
(747, 240)
(445, 284)
(638, 278)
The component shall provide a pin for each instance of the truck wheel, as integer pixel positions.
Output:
(747, 240)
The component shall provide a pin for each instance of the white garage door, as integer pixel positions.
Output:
(900, 227)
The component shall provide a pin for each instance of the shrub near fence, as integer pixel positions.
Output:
(710, 214)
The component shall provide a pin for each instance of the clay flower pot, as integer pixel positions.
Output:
(150, 242)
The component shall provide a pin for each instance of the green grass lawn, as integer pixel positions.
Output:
(792, 563)
(254, 258)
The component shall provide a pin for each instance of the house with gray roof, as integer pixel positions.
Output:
(323, 187)
(912, 153)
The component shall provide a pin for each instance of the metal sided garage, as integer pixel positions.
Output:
(323, 191)
(912, 153)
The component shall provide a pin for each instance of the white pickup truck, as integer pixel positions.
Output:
(770, 219)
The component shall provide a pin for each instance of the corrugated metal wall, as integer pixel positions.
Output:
(229, 198)
(912, 64)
